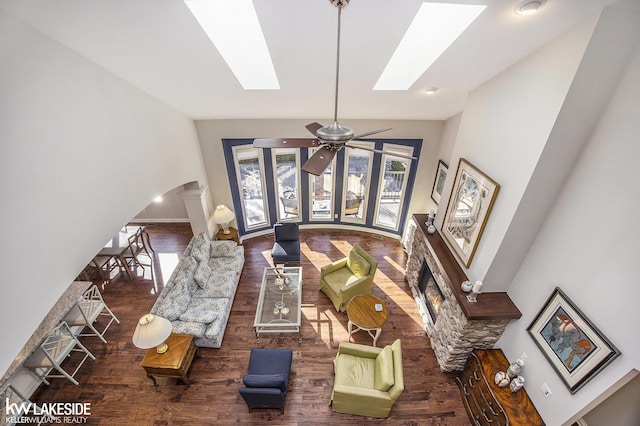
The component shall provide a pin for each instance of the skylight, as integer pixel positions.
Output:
(234, 29)
(434, 28)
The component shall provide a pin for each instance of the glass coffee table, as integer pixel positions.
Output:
(280, 301)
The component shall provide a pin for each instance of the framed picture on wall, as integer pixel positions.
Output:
(572, 344)
(472, 197)
(438, 183)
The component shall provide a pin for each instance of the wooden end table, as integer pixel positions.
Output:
(232, 235)
(362, 314)
(175, 362)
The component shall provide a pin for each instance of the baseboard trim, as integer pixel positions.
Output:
(160, 220)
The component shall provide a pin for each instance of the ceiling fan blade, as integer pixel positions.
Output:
(313, 127)
(395, 154)
(285, 143)
(319, 161)
(362, 135)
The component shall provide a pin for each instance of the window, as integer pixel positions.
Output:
(392, 186)
(287, 177)
(321, 190)
(360, 187)
(250, 173)
(356, 183)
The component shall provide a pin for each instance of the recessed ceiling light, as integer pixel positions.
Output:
(529, 7)
(431, 90)
(434, 28)
(234, 29)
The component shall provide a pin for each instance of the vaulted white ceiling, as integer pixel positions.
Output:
(158, 46)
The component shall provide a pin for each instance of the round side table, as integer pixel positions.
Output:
(362, 314)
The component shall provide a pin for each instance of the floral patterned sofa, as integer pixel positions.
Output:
(198, 296)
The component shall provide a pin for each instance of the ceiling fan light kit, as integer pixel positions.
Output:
(328, 139)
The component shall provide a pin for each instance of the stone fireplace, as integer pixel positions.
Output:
(458, 326)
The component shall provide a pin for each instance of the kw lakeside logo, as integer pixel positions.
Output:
(55, 412)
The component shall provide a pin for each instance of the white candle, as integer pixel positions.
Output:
(477, 286)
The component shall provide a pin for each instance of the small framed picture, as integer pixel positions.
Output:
(572, 344)
(438, 183)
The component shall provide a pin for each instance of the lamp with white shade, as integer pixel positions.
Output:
(222, 216)
(152, 331)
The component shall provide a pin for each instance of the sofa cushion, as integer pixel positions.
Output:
(265, 381)
(226, 265)
(218, 285)
(202, 274)
(355, 371)
(223, 248)
(384, 370)
(196, 329)
(178, 297)
(358, 264)
(199, 311)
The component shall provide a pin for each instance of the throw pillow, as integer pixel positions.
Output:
(194, 314)
(175, 303)
(383, 378)
(202, 274)
(265, 381)
(200, 247)
(358, 264)
(223, 248)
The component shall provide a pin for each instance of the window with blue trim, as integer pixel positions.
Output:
(359, 188)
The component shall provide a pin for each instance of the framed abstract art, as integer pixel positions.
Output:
(472, 197)
(572, 344)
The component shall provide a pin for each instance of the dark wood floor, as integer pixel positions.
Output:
(120, 393)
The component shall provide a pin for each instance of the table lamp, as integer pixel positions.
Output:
(152, 330)
(222, 216)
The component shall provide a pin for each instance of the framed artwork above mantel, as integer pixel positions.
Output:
(472, 197)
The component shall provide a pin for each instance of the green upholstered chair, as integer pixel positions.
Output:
(368, 380)
(348, 277)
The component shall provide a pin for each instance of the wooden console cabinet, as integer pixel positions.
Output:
(485, 402)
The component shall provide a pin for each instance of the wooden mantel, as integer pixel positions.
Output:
(492, 305)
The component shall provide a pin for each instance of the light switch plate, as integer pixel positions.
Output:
(545, 390)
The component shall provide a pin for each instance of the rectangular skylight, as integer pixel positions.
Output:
(234, 29)
(435, 27)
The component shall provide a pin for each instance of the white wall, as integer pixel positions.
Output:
(82, 153)
(504, 128)
(211, 133)
(587, 247)
(170, 209)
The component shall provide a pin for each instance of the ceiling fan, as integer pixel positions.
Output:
(329, 139)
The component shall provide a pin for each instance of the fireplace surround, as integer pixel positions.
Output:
(461, 326)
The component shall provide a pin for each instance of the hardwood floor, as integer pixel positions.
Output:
(121, 394)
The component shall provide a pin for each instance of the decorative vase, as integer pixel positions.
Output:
(466, 286)
(515, 368)
(431, 229)
(517, 383)
(502, 379)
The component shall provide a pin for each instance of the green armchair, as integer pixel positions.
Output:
(368, 380)
(348, 277)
